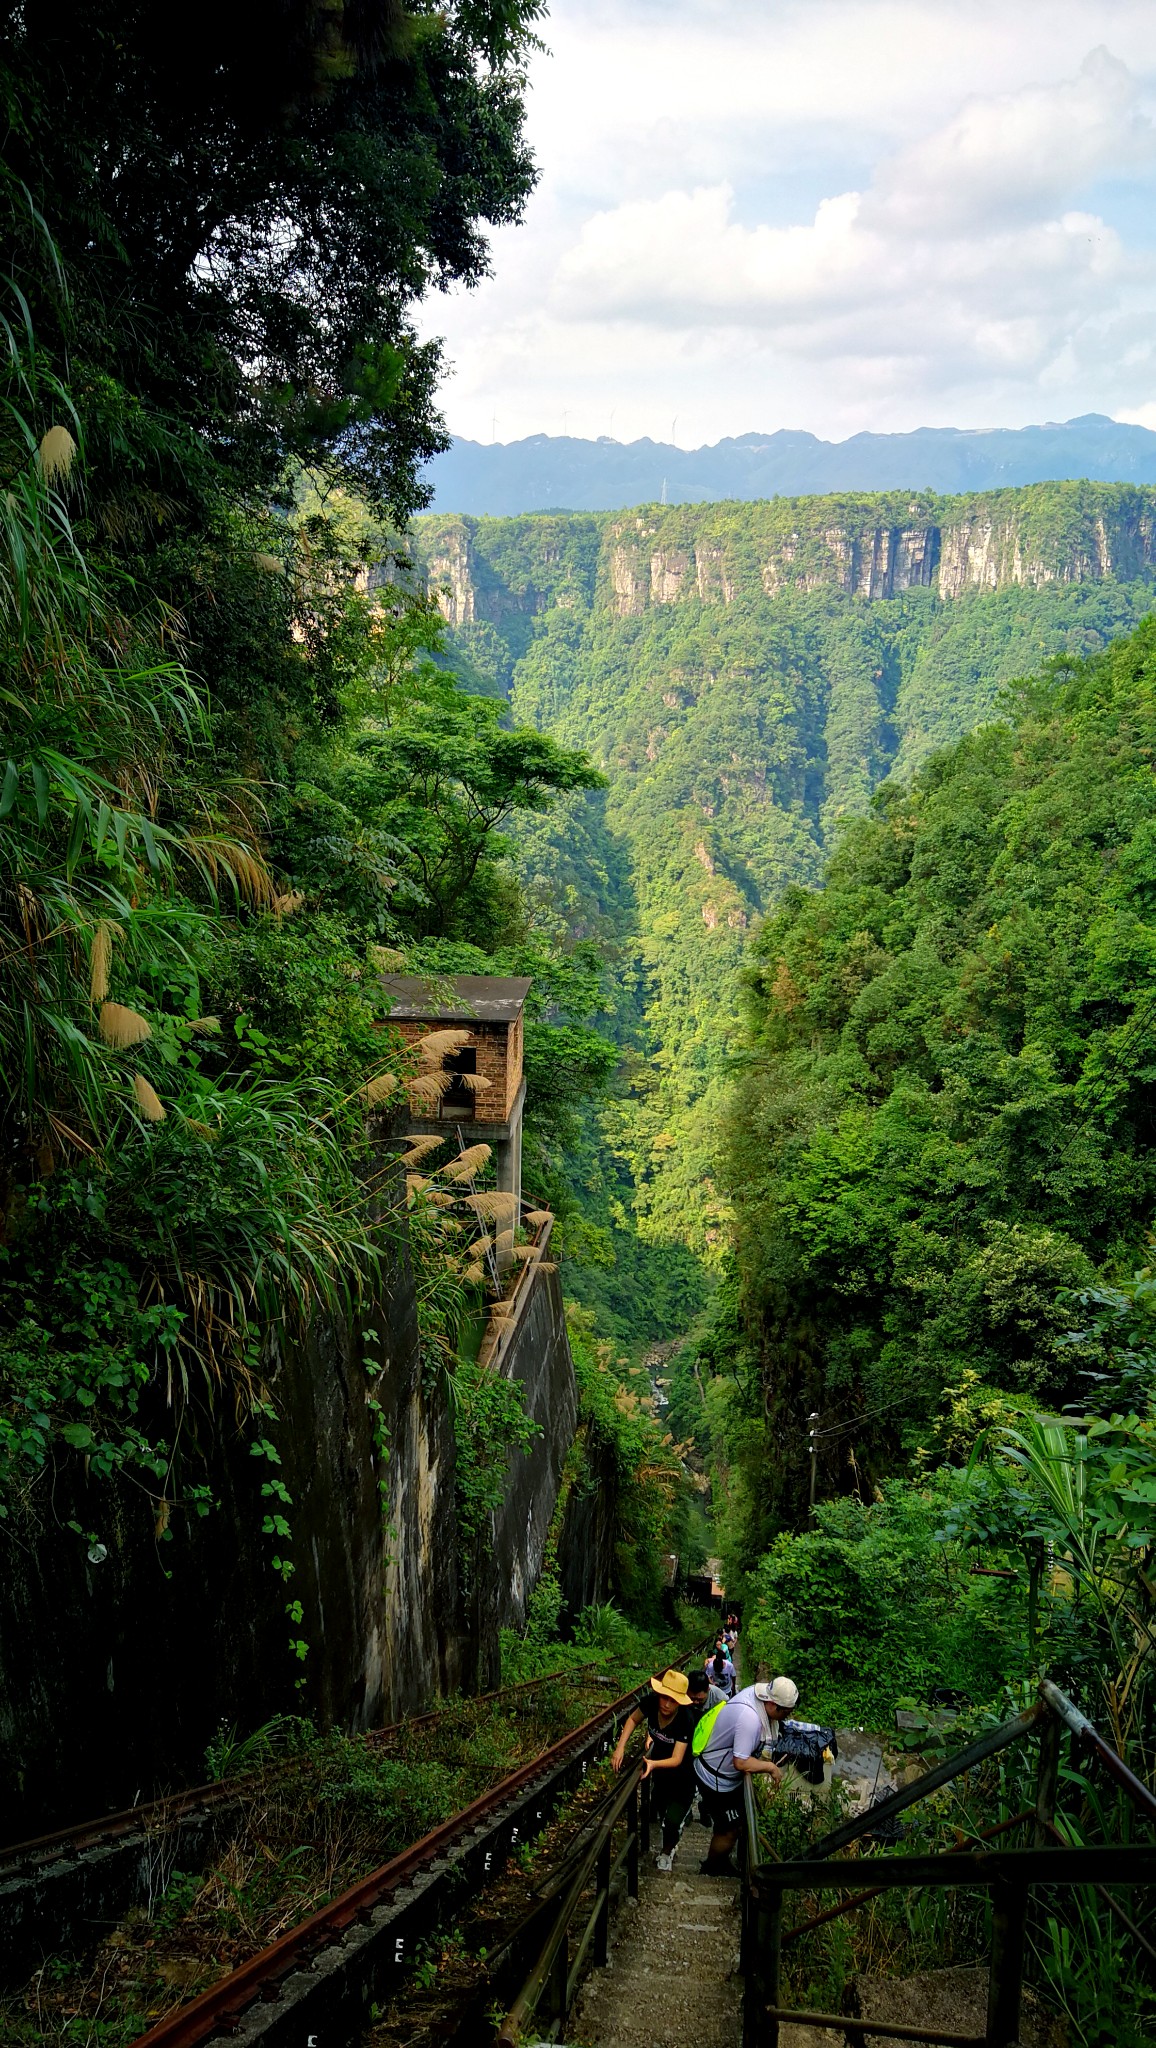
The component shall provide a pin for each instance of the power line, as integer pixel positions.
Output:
(840, 1428)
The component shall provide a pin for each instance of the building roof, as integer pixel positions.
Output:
(456, 998)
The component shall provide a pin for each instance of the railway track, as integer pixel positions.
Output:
(26, 1856)
(324, 1976)
(56, 1888)
(322, 1979)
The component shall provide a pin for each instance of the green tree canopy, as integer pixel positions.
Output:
(246, 213)
(948, 1110)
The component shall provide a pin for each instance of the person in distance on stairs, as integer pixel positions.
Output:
(741, 1735)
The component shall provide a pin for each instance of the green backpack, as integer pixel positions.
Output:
(705, 1728)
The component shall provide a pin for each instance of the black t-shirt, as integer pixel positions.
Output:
(663, 1738)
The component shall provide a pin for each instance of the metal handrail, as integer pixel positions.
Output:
(1009, 1875)
(988, 1744)
(1113, 1762)
(553, 1969)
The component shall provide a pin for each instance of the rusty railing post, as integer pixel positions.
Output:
(602, 1889)
(1009, 1905)
(1047, 1781)
(772, 1946)
(632, 1851)
(762, 1941)
(559, 1982)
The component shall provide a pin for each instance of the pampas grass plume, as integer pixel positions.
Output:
(380, 1087)
(101, 960)
(57, 453)
(420, 1148)
(433, 1048)
(148, 1100)
(121, 1027)
(427, 1089)
(466, 1165)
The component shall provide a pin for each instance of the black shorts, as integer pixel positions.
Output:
(724, 1810)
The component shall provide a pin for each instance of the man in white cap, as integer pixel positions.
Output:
(745, 1729)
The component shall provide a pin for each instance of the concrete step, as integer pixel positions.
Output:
(672, 1981)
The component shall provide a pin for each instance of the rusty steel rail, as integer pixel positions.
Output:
(223, 2002)
(171, 1806)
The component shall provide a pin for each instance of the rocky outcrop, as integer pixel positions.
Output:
(869, 547)
(449, 568)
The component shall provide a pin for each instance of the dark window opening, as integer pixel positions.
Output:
(458, 1101)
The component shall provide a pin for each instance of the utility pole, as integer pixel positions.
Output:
(813, 1440)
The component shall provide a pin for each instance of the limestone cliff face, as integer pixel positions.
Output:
(449, 568)
(872, 547)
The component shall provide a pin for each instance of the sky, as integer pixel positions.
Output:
(841, 215)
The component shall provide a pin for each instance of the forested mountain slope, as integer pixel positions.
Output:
(945, 1121)
(746, 676)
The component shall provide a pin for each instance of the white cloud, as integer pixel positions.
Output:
(1017, 155)
(975, 274)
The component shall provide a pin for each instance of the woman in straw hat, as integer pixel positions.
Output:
(669, 1723)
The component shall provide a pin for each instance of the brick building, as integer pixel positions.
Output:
(489, 1008)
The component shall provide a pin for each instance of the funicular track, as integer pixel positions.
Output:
(17, 1857)
(324, 1975)
(88, 1874)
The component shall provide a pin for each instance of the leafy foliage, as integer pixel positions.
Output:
(246, 216)
(946, 1119)
(737, 735)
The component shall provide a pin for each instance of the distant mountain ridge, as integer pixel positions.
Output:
(561, 473)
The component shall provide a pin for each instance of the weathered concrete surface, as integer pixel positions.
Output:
(673, 1977)
(539, 1357)
(114, 1676)
(589, 1529)
(863, 1768)
(947, 2001)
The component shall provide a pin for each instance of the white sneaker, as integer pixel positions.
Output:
(664, 1862)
